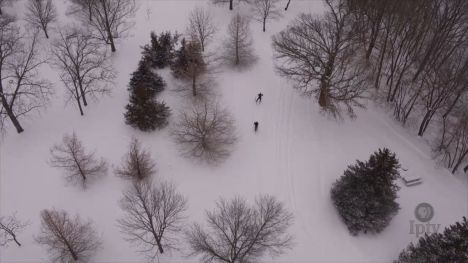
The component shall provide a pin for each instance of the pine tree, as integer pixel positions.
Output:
(449, 246)
(160, 52)
(143, 111)
(365, 195)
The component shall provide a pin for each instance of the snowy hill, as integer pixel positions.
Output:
(296, 155)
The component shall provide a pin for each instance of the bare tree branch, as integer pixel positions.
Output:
(206, 133)
(67, 239)
(10, 227)
(238, 232)
(138, 164)
(80, 166)
(41, 13)
(153, 216)
(201, 27)
(84, 66)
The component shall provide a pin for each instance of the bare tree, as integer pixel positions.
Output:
(230, 2)
(83, 7)
(320, 51)
(238, 45)
(201, 27)
(190, 64)
(111, 19)
(21, 88)
(153, 216)
(242, 233)
(80, 166)
(453, 146)
(10, 227)
(67, 239)
(206, 132)
(41, 13)
(265, 10)
(84, 66)
(138, 164)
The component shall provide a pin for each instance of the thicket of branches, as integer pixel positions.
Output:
(10, 227)
(137, 163)
(153, 216)
(206, 132)
(67, 239)
(40, 14)
(239, 232)
(22, 90)
(84, 66)
(80, 166)
(414, 54)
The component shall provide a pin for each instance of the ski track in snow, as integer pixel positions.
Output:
(296, 155)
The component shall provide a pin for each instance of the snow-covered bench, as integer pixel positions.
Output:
(411, 180)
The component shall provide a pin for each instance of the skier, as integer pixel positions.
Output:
(256, 126)
(259, 98)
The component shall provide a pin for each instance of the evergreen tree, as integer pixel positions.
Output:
(365, 195)
(449, 246)
(160, 52)
(145, 78)
(143, 111)
(181, 60)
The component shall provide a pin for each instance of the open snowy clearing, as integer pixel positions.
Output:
(296, 155)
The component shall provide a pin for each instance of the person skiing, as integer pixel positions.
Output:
(259, 98)
(256, 126)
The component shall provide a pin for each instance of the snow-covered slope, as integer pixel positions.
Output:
(296, 155)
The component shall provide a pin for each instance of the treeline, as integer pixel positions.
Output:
(410, 55)
(417, 52)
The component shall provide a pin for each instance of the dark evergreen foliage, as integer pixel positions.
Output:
(143, 111)
(160, 52)
(365, 195)
(181, 60)
(449, 246)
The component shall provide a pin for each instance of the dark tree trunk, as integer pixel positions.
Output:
(46, 34)
(287, 5)
(16, 241)
(230, 4)
(11, 115)
(194, 84)
(466, 168)
(264, 24)
(459, 161)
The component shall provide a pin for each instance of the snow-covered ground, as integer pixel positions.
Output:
(296, 155)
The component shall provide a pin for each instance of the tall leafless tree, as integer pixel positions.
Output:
(83, 7)
(84, 66)
(191, 65)
(201, 27)
(79, 165)
(10, 227)
(138, 164)
(153, 216)
(230, 2)
(206, 132)
(453, 145)
(111, 19)
(317, 53)
(22, 90)
(41, 13)
(68, 239)
(238, 232)
(265, 10)
(238, 45)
